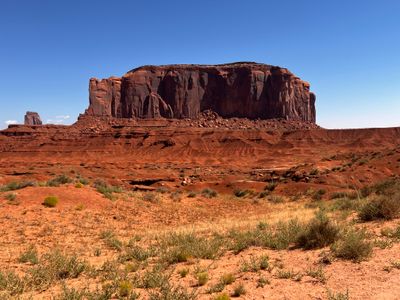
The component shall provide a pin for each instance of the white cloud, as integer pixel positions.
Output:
(56, 121)
(9, 122)
(65, 117)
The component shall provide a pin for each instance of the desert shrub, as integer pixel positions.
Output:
(71, 294)
(277, 238)
(54, 266)
(287, 274)
(162, 190)
(318, 274)
(386, 187)
(59, 180)
(337, 195)
(262, 281)
(10, 197)
(202, 278)
(276, 199)
(183, 272)
(12, 283)
(241, 240)
(242, 193)
(385, 207)
(271, 186)
(170, 292)
(78, 185)
(314, 172)
(12, 186)
(135, 253)
(352, 245)
(263, 194)
(107, 190)
(338, 295)
(255, 264)
(176, 196)
(222, 296)
(125, 288)
(209, 193)
(180, 247)
(50, 201)
(192, 194)
(227, 279)
(318, 233)
(283, 236)
(153, 278)
(150, 197)
(318, 194)
(30, 255)
(345, 203)
(239, 290)
(83, 180)
(392, 233)
(111, 240)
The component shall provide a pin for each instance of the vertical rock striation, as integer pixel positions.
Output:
(248, 90)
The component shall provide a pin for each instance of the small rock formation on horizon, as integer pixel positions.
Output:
(244, 90)
(32, 118)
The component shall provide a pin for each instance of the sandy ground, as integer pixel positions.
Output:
(76, 223)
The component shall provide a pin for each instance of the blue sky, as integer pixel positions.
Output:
(348, 50)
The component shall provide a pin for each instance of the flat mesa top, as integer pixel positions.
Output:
(197, 66)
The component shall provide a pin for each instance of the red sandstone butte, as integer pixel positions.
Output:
(245, 89)
(32, 118)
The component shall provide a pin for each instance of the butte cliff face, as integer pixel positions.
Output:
(248, 90)
(32, 118)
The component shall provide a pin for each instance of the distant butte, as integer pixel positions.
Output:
(243, 90)
(32, 118)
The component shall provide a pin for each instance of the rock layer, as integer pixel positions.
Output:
(32, 118)
(248, 90)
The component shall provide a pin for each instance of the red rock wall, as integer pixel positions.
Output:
(182, 91)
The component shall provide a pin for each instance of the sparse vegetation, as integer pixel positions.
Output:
(107, 190)
(318, 233)
(180, 247)
(255, 264)
(54, 266)
(271, 186)
(151, 197)
(192, 194)
(242, 193)
(317, 273)
(183, 272)
(50, 201)
(223, 296)
(202, 278)
(152, 265)
(338, 295)
(29, 256)
(10, 197)
(111, 240)
(352, 245)
(59, 180)
(209, 193)
(12, 186)
(380, 207)
(287, 274)
(239, 290)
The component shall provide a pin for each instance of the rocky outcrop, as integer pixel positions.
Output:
(32, 118)
(248, 90)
